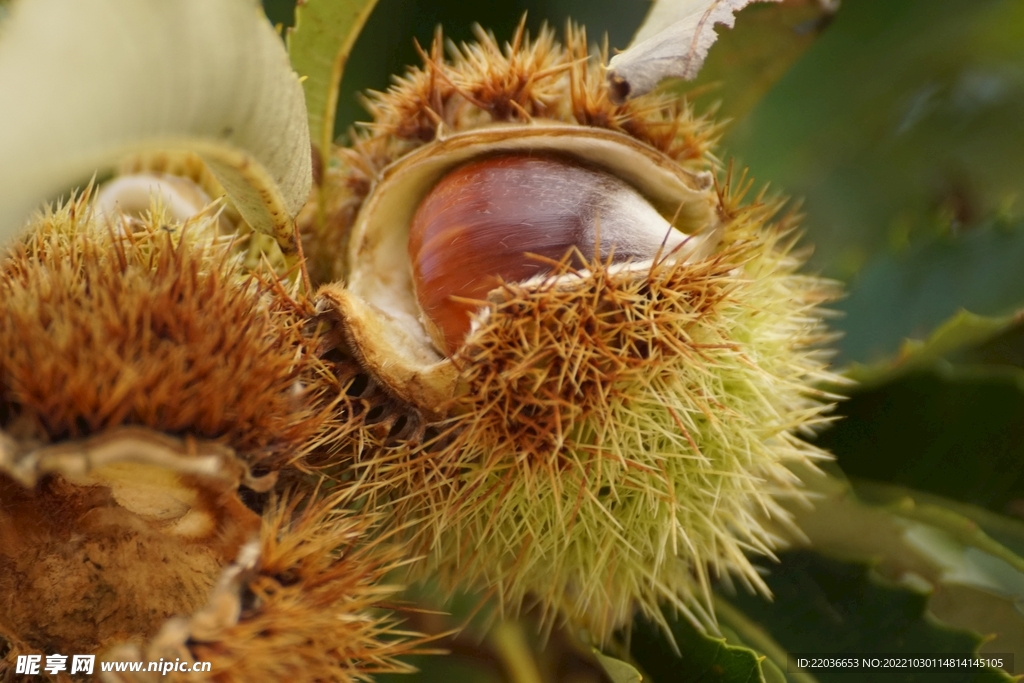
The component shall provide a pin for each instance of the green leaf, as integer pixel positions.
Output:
(740, 630)
(618, 671)
(910, 293)
(1005, 348)
(953, 431)
(823, 606)
(964, 576)
(700, 657)
(319, 46)
(975, 582)
(87, 82)
(897, 123)
(1006, 531)
(955, 337)
(743, 652)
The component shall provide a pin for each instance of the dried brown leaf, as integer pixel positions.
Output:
(675, 51)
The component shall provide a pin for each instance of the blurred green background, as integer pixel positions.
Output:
(901, 128)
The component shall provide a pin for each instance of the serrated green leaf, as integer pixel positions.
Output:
(823, 606)
(1005, 348)
(983, 611)
(971, 582)
(740, 630)
(957, 336)
(975, 583)
(992, 676)
(86, 82)
(701, 657)
(1007, 531)
(319, 46)
(618, 671)
(708, 658)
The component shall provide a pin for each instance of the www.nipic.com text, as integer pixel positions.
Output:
(84, 664)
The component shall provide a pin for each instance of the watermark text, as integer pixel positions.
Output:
(85, 664)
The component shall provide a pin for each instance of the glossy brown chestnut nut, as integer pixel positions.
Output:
(507, 218)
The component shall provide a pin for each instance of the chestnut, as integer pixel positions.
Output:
(508, 218)
(443, 225)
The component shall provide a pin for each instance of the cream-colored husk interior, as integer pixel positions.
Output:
(381, 311)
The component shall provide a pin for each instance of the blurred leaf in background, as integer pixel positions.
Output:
(898, 128)
(954, 429)
(706, 657)
(911, 291)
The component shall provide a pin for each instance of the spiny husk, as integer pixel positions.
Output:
(609, 438)
(101, 328)
(467, 101)
(483, 83)
(480, 85)
(115, 333)
(624, 431)
(308, 603)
